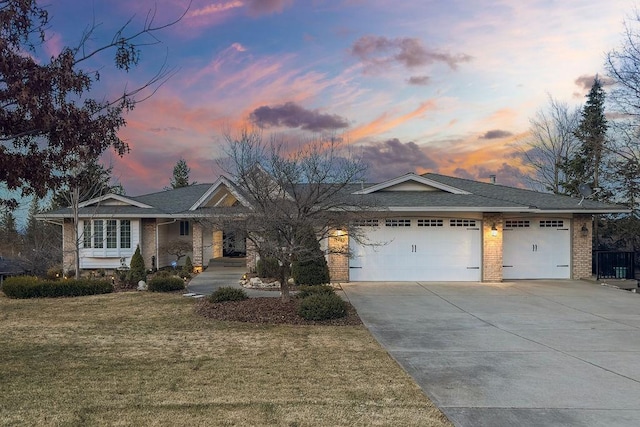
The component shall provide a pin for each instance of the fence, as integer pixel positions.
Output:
(614, 265)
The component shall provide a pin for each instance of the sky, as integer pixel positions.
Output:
(445, 86)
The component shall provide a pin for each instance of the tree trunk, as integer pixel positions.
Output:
(284, 284)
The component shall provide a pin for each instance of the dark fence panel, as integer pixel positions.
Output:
(614, 265)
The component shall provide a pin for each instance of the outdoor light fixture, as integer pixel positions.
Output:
(494, 230)
(584, 231)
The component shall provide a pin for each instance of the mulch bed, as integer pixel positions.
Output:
(268, 310)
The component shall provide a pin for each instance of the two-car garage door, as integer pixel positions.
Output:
(428, 249)
(450, 249)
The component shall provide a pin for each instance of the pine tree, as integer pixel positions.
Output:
(586, 166)
(137, 270)
(10, 239)
(180, 175)
(311, 266)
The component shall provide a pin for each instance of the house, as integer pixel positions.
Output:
(429, 227)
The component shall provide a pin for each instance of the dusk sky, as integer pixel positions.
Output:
(439, 86)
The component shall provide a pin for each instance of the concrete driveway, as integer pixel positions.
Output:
(524, 353)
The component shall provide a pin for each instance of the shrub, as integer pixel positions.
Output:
(30, 287)
(164, 273)
(55, 273)
(137, 270)
(322, 307)
(311, 268)
(165, 284)
(228, 293)
(312, 272)
(307, 291)
(267, 267)
(188, 266)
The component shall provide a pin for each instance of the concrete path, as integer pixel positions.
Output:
(525, 353)
(218, 276)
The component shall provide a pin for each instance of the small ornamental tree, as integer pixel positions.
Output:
(310, 268)
(137, 270)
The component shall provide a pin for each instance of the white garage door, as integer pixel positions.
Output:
(536, 249)
(427, 249)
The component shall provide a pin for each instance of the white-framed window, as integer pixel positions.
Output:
(110, 234)
(397, 223)
(365, 223)
(184, 228)
(430, 223)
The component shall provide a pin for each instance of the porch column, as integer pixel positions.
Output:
(338, 261)
(218, 244)
(581, 249)
(492, 247)
(68, 246)
(197, 245)
(148, 244)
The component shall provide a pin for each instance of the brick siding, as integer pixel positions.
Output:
(492, 248)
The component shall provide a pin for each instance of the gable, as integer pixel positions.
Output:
(411, 182)
(113, 200)
(221, 194)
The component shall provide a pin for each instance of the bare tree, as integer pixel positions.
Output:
(291, 192)
(177, 248)
(623, 66)
(49, 113)
(550, 143)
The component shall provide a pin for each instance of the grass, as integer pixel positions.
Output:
(147, 359)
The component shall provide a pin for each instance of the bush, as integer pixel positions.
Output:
(313, 272)
(164, 274)
(31, 287)
(322, 307)
(228, 293)
(137, 270)
(311, 266)
(187, 269)
(55, 273)
(307, 291)
(165, 284)
(267, 267)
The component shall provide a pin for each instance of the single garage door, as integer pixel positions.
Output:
(537, 249)
(427, 249)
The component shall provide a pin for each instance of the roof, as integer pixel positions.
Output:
(427, 193)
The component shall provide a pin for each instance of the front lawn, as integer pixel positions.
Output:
(148, 359)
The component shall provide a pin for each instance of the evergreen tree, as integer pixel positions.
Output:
(586, 165)
(180, 175)
(42, 243)
(310, 267)
(137, 269)
(10, 239)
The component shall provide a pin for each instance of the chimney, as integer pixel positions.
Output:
(492, 179)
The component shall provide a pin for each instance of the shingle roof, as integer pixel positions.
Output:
(481, 197)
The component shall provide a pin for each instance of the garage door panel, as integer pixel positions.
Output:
(537, 249)
(432, 251)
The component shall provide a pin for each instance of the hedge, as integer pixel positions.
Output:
(30, 287)
(165, 284)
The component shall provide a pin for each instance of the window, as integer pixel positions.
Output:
(125, 234)
(116, 234)
(184, 228)
(462, 223)
(512, 223)
(397, 223)
(98, 232)
(365, 223)
(86, 234)
(430, 223)
(552, 224)
(112, 234)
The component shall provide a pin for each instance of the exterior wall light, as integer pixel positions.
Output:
(494, 230)
(584, 231)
